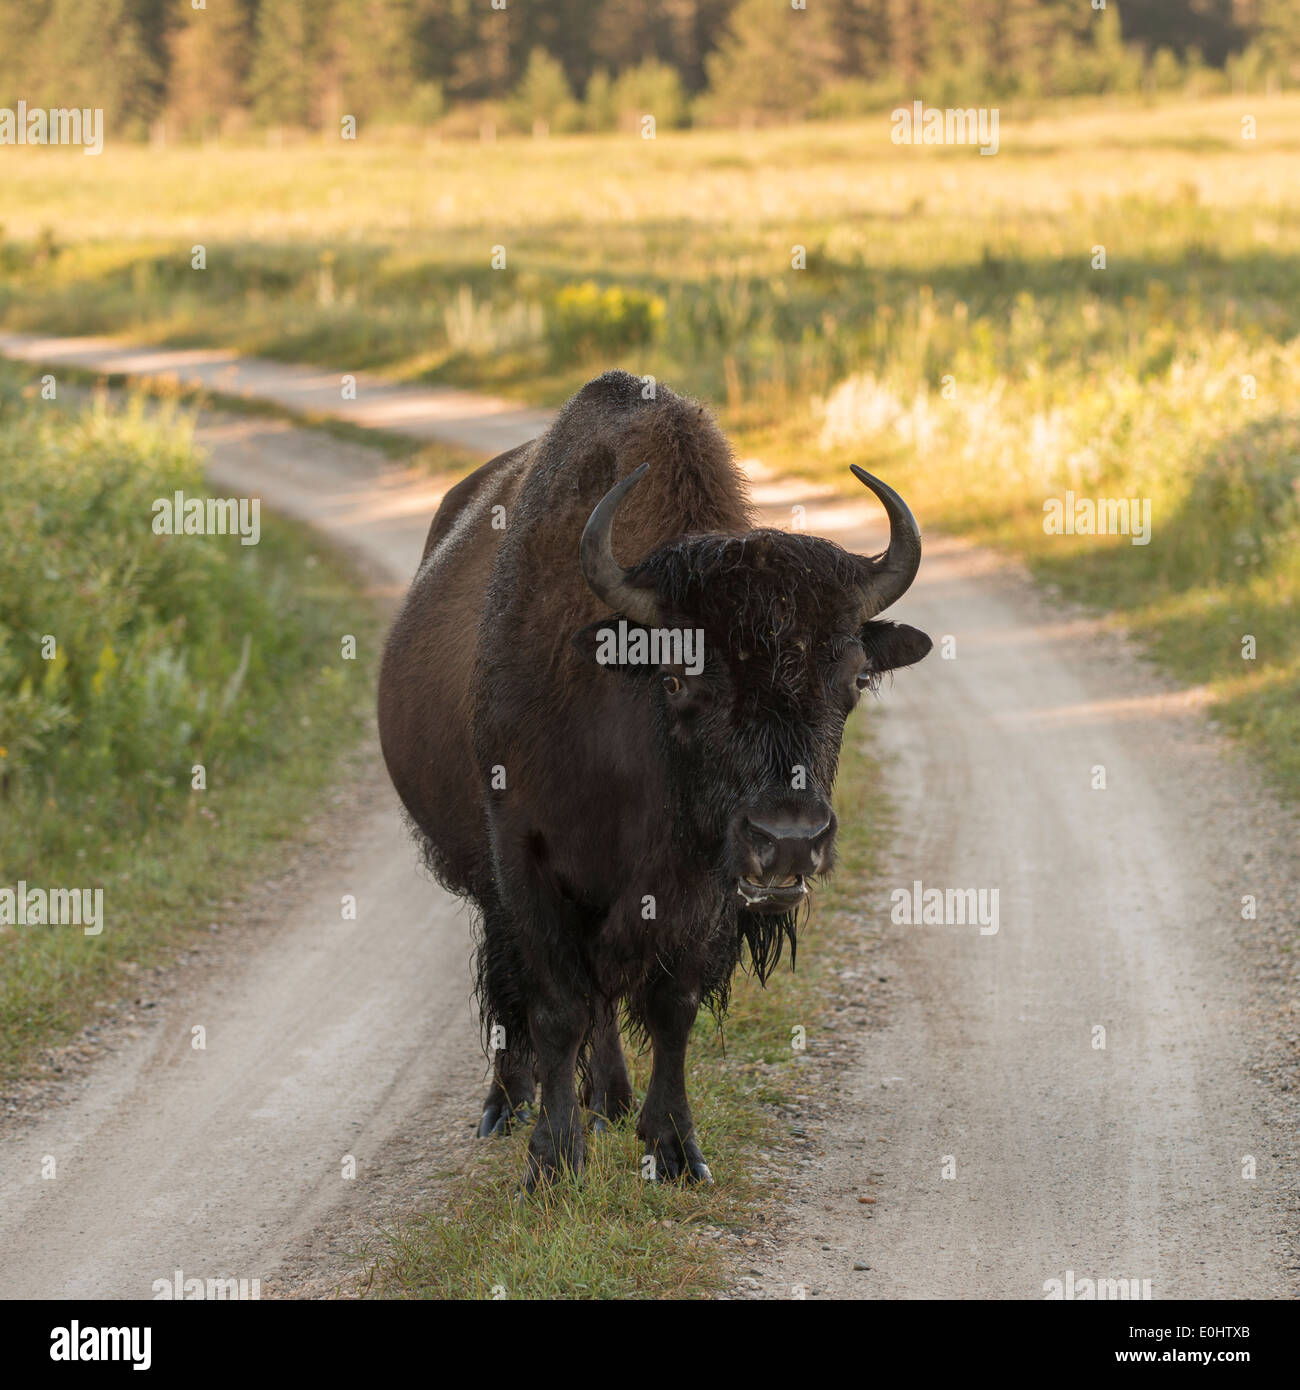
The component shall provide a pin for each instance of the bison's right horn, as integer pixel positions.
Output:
(606, 577)
(890, 575)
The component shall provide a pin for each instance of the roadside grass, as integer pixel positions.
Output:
(170, 653)
(1206, 447)
(612, 1235)
(429, 456)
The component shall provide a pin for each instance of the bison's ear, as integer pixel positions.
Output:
(891, 645)
(610, 642)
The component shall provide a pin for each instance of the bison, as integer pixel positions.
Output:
(613, 708)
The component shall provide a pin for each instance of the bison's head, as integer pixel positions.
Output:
(750, 720)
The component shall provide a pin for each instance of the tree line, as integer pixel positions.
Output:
(208, 66)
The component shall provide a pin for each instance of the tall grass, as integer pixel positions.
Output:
(127, 661)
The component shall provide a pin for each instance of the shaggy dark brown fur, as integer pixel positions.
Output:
(596, 816)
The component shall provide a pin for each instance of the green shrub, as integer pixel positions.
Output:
(168, 651)
(127, 657)
(599, 109)
(584, 320)
(650, 89)
(543, 100)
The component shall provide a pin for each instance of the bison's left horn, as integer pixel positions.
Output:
(603, 573)
(891, 574)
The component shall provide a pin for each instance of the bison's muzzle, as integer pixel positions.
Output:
(779, 852)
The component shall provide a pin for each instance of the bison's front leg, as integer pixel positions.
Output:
(558, 1025)
(665, 1124)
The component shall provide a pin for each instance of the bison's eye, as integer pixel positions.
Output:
(672, 685)
(865, 678)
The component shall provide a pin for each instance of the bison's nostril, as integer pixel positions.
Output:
(759, 834)
(761, 847)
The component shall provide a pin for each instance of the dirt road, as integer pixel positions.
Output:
(325, 1038)
(1003, 1144)
(1105, 1084)
(432, 413)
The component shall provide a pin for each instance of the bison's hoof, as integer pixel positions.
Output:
(677, 1162)
(601, 1123)
(545, 1173)
(500, 1119)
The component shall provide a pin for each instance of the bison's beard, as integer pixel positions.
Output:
(750, 941)
(765, 935)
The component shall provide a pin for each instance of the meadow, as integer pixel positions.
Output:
(952, 323)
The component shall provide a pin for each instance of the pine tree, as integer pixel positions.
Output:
(375, 44)
(286, 74)
(1279, 37)
(480, 65)
(543, 96)
(653, 89)
(97, 56)
(21, 22)
(210, 52)
(772, 60)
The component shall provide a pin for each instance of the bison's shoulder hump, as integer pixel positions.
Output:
(618, 388)
(618, 422)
